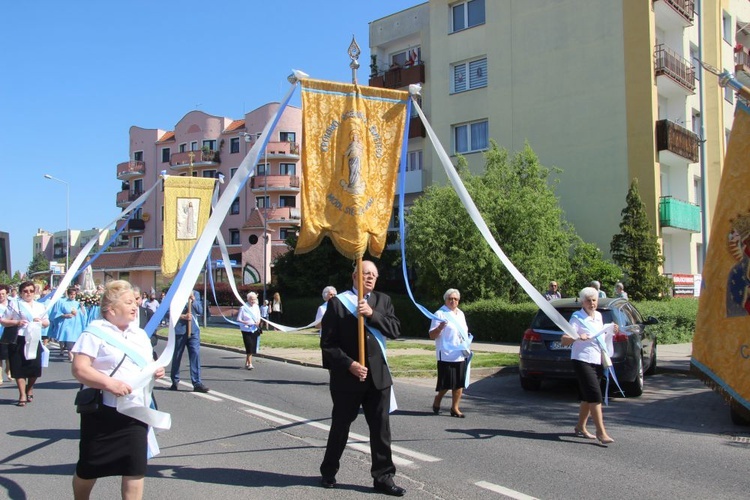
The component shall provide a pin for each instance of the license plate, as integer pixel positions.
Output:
(556, 345)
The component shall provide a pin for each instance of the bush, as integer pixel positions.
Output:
(676, 318)
(498, 321)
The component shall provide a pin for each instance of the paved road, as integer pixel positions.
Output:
(261, 434)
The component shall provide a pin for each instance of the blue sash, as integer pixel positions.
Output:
(119, 343)
(347, 298)
(599, 342)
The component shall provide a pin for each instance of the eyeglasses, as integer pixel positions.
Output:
(28, 290)
(454, 298)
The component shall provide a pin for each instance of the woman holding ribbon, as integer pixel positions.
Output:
(452, 341)
(110, 351)
(587, 353)
(25, 355)
(249, 320)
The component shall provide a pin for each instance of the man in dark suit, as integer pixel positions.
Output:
(144, 315)
(352, 384)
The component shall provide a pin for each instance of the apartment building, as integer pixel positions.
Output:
(260, 218)
(607, 91)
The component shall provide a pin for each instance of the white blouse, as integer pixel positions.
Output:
(448, 345)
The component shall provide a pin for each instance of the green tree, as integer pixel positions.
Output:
(517, 201)
(636, 249)
(4, 278)
(588, 263)
(38, 263)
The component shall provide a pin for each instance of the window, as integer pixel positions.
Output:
(194, 146)
(695, 60)
(470, 75)
(414, 160)
(209, 173)
(467, 14)
(234, 145)
(729, 94)
(138, 186)
(138, 155)
(183, 147)
(138, 213)
(262, 169)
(726, 27)
(165, 155)
(235, 207)
(137, 241)
(287, 201)
(696, 122)
(407, 58)
(262, 201)
(288, 136)
(286, 232)
(287, 169)
(471, 137)
(210, 144)
(698, 194)
(232, 171)
(234, 237)
(162, 212)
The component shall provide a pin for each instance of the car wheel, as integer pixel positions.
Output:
(530, 384)
(635, 388)
(652, 367)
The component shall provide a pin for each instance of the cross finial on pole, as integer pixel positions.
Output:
(354, 53)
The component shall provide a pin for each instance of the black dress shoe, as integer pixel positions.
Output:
(173, 387)
(389, 488)
(200, 388)
(328, 482)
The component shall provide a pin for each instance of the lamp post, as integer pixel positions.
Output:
(67, 218)
(248, 138)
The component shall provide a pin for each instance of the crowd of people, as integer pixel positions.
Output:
(104, 343)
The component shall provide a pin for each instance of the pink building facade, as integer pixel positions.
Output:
(261, 217)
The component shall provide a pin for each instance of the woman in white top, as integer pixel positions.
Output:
(586, 354)
(451, 337)
(328, 293)
(30, 317)
(249, 320)
(112, 444)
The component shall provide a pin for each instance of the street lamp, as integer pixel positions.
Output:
(67, 218)
(249, 138)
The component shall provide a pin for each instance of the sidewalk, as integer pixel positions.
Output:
(670, 358)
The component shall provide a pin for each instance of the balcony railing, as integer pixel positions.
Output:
(416, 128)
(136, 225)
(679, 214)
(274, 182)
(685, 8)
(668, 63)
(130, 168)
(280, 213)
(677, 139)
(124, 197)
(398, 77)
(199, 158)
(742, 64)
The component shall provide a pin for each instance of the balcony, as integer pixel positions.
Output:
(282, 150)
(680, 215)
(132, 168)
(274, 183)
(279, 214)
(416, 128)
(674, 74)
(676, 139)
(742, 65)
(675, 13)
(136, 225)
(199, 158)
(396, 78)
(125, 197)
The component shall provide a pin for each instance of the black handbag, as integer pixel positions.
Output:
(10, 335)
(89, 400)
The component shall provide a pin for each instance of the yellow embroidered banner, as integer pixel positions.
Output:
(353, 138)
(187, 206)
(721, 346)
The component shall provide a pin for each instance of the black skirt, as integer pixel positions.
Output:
(251, 341)
(3, 351)
(112, 444)
(451, 375)
(589, 377)
(20, 367)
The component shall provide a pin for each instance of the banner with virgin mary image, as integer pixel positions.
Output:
(721, 345)
(353, 140)
(187, 206)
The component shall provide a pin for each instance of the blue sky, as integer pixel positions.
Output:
(77, 75)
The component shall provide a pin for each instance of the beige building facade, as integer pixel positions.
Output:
(607, 91)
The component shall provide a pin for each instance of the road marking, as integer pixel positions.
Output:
(283, 418)
(185, 384)
(504, 491)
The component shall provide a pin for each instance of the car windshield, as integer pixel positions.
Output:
(542, 322)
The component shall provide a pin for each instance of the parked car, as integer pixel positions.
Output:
(543, 356)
